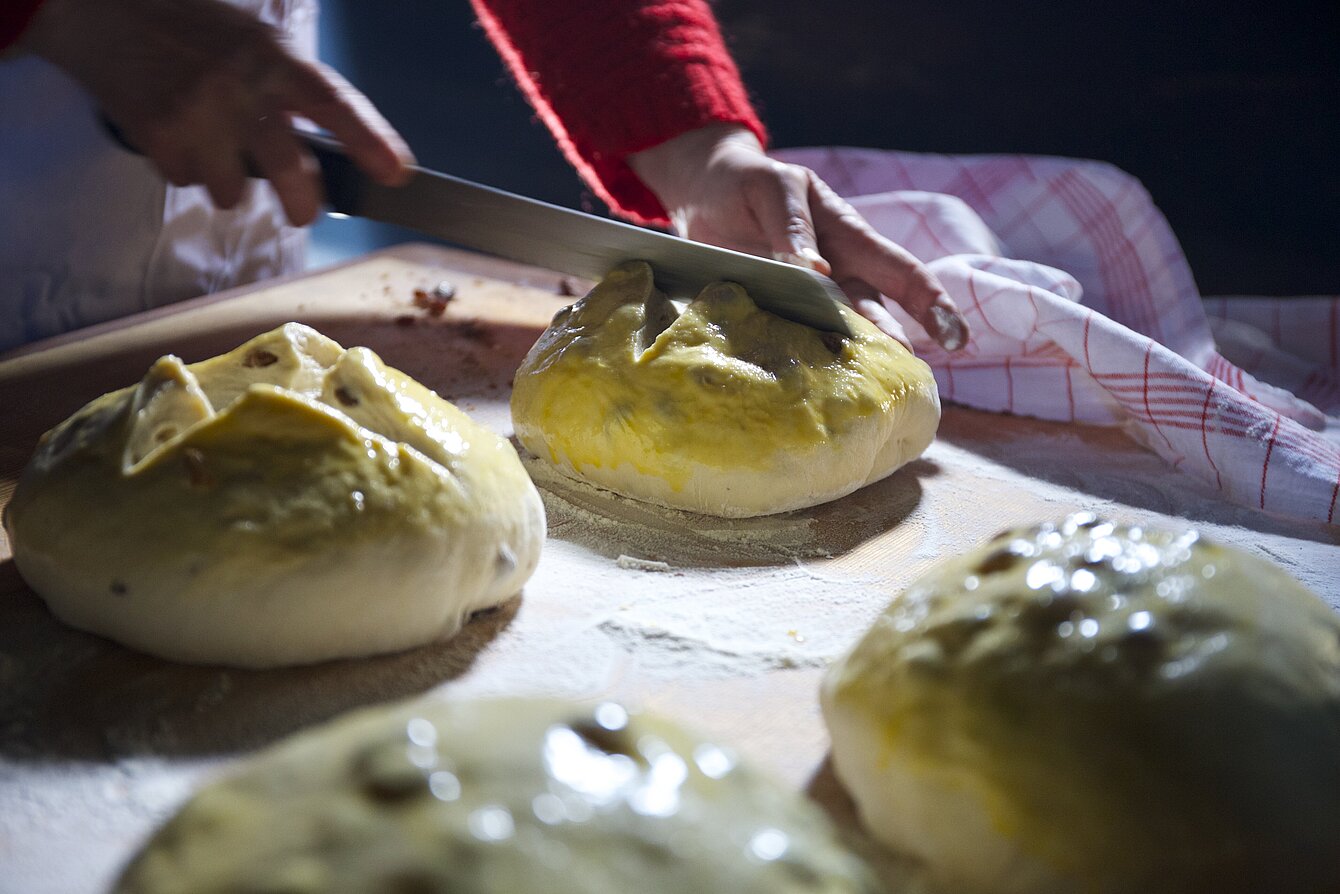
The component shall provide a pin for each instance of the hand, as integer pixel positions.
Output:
(720, 187)
(201, 87)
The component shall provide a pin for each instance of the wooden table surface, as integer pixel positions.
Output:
(727, 625)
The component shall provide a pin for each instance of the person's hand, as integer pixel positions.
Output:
(201, 87)
(720, 187)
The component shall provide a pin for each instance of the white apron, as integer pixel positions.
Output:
(90, 232)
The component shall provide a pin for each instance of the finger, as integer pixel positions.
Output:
(861, 253)
(291, 170)
(865, 299)
(221, 170)
(216, 160)
(321, 94)
(168, 154)
(779, 197)
(175, 166)
(874, 311)
(206, 136)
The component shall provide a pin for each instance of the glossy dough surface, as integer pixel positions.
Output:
(497, 796)
(1089, 707)
(287, 502)
(720, 407)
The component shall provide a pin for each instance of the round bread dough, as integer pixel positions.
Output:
(497, 796)
(284, 503)
(719, 408)
(1098, 708)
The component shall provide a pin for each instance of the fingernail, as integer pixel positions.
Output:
(806, 257)
(952, 329)
(812, 257)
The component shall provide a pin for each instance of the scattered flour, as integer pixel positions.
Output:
(633, 563)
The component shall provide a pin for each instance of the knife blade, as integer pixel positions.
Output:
(511, 226)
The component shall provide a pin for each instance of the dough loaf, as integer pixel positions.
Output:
(1089, 707)
(718, 407)
(284, 503)
(505, 796)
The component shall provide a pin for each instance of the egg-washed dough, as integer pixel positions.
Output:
(1087, 707)
(284, 503)
(721, 408)
(497, 797)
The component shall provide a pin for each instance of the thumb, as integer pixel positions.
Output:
(781, 204)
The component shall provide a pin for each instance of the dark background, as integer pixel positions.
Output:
(1227, 112)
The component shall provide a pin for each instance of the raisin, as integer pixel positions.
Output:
(1000, 560)
(195, 467)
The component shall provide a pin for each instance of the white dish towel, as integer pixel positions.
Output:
(1083, 309)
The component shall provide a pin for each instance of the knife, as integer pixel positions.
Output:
(510, 226)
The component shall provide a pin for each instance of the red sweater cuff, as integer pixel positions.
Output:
(15, 16)
(613, 77)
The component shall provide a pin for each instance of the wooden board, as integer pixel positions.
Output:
(727, 625)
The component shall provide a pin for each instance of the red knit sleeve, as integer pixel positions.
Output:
(614, 77)
(14, 18)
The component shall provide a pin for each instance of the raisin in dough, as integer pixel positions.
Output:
(497, 797)
(721, 408)
(284, 503)
(1090, 707)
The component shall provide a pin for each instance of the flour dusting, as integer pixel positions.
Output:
(633, 563)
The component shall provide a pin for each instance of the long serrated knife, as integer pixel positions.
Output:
(511, 226)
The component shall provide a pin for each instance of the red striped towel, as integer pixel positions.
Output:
(1083, 308)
